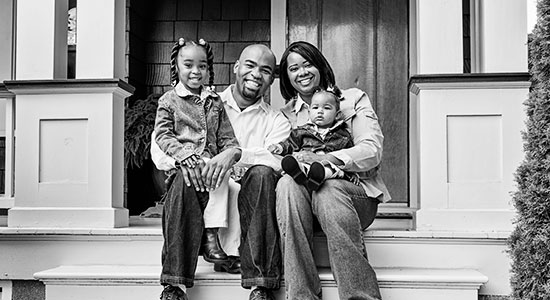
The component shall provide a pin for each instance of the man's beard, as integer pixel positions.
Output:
(250, 95)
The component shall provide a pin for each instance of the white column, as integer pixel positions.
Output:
(41, 39)
(502, 35)
(101, 42)
(467, 147)
(70, 154)
(436, 36)
(6, 36)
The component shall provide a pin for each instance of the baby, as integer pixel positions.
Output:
(325, 132)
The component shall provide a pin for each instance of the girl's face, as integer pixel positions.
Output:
(192, 67)
(323, 109)
(303, 76)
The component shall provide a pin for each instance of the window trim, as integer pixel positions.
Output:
(7, 199)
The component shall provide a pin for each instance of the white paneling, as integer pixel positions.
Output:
(63, 152)
(469, 146)
(474, 148)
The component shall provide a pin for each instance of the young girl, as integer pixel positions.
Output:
(191, 126)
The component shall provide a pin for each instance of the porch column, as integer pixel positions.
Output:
(502, 35)
(100, 39)
(466, 144)
(69, 160)
(41, 39)
(436, 36)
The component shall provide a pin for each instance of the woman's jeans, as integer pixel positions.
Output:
(260, 246)
(182, 226)
(343, 210)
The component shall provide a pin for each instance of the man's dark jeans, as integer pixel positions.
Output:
(182, 227)
(260, 248)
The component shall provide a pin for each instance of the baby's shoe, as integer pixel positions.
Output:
(293, 168)
(319, 172)
(316, 176)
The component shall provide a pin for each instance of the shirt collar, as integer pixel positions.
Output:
(230, 100)
(183, 92)
(299, 104)
(336, 124)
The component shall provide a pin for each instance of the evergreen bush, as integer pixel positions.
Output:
(529, 244)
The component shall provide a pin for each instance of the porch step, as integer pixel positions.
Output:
(141, 282)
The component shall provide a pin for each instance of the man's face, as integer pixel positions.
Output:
(254, 72)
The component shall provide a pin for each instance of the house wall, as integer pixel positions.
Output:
(227, 25)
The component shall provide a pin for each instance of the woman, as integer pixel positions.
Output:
(342, 208)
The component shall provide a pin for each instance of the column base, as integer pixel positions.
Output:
(464, 219)
(68, 217)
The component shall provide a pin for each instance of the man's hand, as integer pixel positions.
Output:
(275, 149)
(192, 176)
(214, 170)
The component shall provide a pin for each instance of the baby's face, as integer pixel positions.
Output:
(323, 109)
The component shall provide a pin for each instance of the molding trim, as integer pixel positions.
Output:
(68, 86)
(469, 81)
(4, 93)
(5, 290)
(94, 275)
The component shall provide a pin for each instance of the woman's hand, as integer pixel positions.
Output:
(214, 170)
(309, 157)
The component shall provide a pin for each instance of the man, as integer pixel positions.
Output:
(256, 126)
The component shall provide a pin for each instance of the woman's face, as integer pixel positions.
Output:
(303, 76)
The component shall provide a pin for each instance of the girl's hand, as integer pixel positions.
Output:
(192, 176)
(191, 161)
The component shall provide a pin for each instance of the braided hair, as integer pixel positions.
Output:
(209, 61)
(174, 79)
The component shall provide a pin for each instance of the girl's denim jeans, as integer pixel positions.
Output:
(182, 226)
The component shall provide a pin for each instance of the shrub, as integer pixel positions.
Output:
(529, 244)
(138, 126)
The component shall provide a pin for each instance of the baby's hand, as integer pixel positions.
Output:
(191, 161)
(275, 149)
(354, 178)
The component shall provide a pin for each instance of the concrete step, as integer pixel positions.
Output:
(141, 243)
(141, 282)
